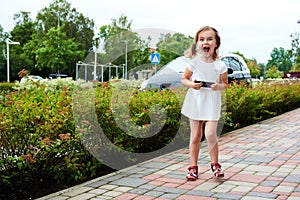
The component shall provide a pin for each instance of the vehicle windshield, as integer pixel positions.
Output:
(178, 66)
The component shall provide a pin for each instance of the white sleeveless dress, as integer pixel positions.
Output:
(204, 104)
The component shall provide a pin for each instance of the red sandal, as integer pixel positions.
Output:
(217, 170)
(192, 173)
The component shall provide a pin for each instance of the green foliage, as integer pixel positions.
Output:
(280, 58)
(171, 46)
(6, 87)
(273, 72)
(255, 70)
(247, 105)
(57, 25)
(39, 141)
(136, 113)
(56, 51)
(74, 24)
(120, 42)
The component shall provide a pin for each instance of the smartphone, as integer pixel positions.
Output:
(204, 84)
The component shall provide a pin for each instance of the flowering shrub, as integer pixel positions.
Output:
(248, 105)
(42, 142)
(38, 140)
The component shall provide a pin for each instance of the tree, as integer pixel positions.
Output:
(22, 32)
(3, 36)
(76, 25)
(120, 41)
(57, 52)
(280, 58)
(273, 72)
(24, 28)
(171, 46)
(295, 52)
(255, 70)
(71, 29)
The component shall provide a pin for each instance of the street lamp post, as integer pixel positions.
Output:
(126, 50)
(95, 47)
(8, 42)
(295, 39)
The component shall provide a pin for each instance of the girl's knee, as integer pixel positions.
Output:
(211, 137)
(195, 140)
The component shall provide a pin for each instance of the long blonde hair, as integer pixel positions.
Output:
(192, 51)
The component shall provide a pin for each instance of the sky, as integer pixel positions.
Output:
(253, 28)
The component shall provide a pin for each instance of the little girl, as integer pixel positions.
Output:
(205, 76)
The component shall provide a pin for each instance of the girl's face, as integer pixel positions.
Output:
(207, 42)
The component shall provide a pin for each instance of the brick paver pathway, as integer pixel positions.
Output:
(261, 161)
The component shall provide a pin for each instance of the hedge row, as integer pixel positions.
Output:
(65, 132)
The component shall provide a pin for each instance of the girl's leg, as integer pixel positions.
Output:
(195, 138)
(212, 140)
(213, 147)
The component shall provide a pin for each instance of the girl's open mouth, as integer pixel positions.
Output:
(206, 49)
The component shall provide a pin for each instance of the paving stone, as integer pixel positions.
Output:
(284, 189)
(147, 187)
(97, 184)
(154, 193)
(242, 183)
(125, 196)
(280, 174)
(156, 165)
(227, 196)
(223, 188)
(170, 190)
(102, 197)
(180, 176)
(200, 193)
(207, 186)
(138, 191)
(57, 198)
(97, 191)
(248, 178)
(263, 195)
(279, 150)
(284, 169)
(235, 160)
(259, 168)
(136, 176)
(259, 159)
(76, 191)
(114, 177)
(242, 189)
(162, 172)
(170, 195)
(253, 198)
(84, 196)
(130, 182)
(297, 189)
(112, 193)
(174, 167)
(108, 187)
(294, 178)
(122, 189)
(293, 198)
(261, 162)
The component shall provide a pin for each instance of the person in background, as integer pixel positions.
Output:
(205, 76)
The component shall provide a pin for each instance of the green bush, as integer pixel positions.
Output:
(48, 131)
(247, 105)
(38, 140)
(6, 87)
